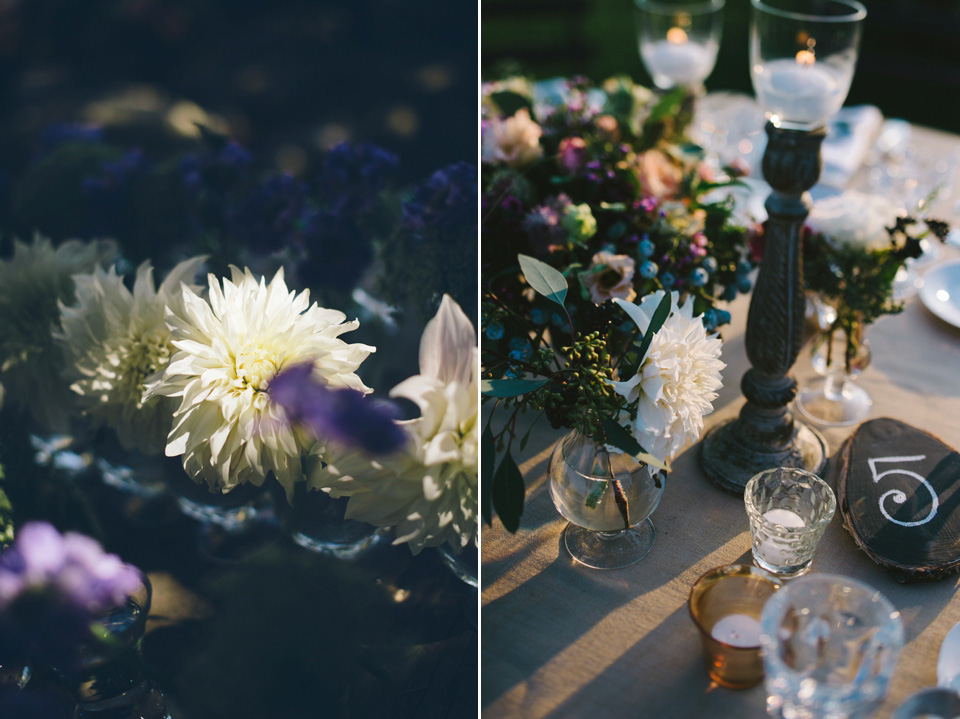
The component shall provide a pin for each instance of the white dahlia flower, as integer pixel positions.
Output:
(428, 490)
(229, 347)
(678, 380)
(32, 282)
(118, 341)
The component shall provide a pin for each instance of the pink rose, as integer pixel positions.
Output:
(573, 154)
(659, 176)
(609, 276)
(514, 141)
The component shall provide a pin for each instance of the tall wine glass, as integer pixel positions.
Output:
(678, 40)
(802, 58)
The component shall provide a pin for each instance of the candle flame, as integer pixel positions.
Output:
(676, 35)
(805, 57)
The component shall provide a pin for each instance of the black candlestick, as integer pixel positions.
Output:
(766, 434)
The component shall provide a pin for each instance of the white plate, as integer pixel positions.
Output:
(941, 291)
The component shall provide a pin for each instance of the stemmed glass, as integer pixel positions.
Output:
(802, 58)
(678, 40)
(607, 497)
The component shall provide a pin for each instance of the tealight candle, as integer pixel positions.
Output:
(738, 630)
(725, 604)
(677, 60)
(784, 540)
(800, 89)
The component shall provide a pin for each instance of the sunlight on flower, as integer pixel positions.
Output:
(32, 282)
(428, 491)
(677, 381)
(855, 219)
(514, 141)
(118, 340)
(229, 348)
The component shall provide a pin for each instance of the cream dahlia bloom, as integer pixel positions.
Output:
(677, 381)
(229, 347)
(118, 341)
(855, 219)
(32, 282)
(428, 490)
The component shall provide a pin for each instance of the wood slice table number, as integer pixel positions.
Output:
(899, 492)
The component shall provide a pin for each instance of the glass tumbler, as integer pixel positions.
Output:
(789, 509)
(830, 645)
(725, 604)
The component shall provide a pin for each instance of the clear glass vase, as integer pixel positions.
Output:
(317, 521)
(464, 565)
(109, 681)
(836, 401)
(607, 497)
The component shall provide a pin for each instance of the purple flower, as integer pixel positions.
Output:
(57, 134)
(351, 175)
(52, 586)
(339, 414)
(267, 219)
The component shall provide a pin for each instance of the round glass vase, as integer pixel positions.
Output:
(836, 401)
(317, 521)
(607, 497)
(465, 564)
(109, 681)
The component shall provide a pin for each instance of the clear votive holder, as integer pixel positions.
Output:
(830, 645)
(726, 604)
(789, 509)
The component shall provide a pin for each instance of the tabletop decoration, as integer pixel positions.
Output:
(428, 490)
(68, 605)
(797, 99)
(788, 509)
(612, 210)
(830, 645)
(857, 244)
(32, 282)
(678, 40)
(898, 492)
(725, 604)
(229, 347)
(932, 701)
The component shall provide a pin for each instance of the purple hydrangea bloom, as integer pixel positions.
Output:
(446, 201)
(60, 133)
(339, 414)
(351, 175)
(268, 218)
(52, 586)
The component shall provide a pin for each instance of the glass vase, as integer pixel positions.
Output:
(464, 565)
(109, 681)
(607, 497)
(317, 521)
(836, 401)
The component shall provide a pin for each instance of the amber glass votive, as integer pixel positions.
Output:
(725, 604)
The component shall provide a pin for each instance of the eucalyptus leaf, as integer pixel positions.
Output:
(656, 322)
(509, 387)
(544, 279)
(507, 494)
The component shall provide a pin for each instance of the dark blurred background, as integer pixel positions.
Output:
(909, 60)
(283, 77)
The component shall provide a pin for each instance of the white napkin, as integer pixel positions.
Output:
(851, 133)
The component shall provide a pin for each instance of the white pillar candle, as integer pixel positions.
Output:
(805, 92)
(681, 63)
(738, 630)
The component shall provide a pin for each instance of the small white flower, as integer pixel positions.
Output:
(118, 341)
(229, 347)
(428, 490)
(677, 381)
(854, 219)
(32, 282)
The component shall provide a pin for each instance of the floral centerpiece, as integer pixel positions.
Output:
(855, 246)
(593, 200)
